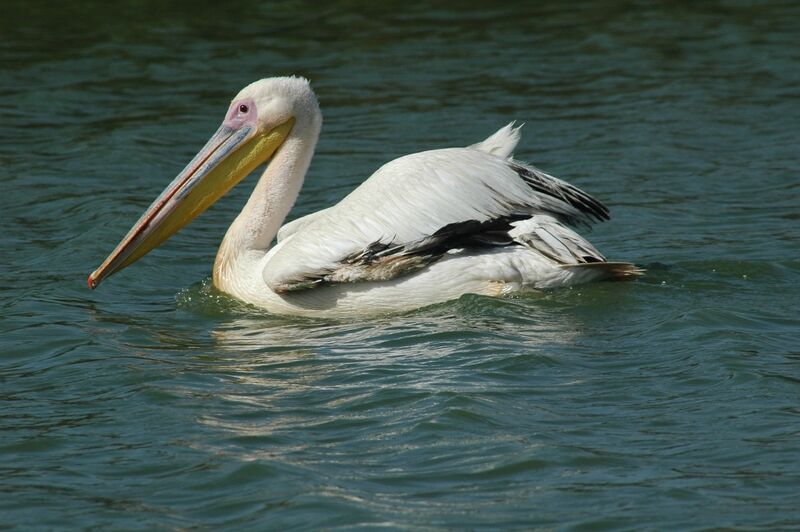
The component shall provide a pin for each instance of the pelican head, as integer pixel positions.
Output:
(258, 121)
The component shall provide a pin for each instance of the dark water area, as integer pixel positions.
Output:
(157, 403)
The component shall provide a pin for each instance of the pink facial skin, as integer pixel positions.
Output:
(240, 113)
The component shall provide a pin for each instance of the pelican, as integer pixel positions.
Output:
(424, 228)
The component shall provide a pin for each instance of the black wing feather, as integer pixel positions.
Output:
(555, 188)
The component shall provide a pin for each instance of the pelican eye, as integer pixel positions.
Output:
(243, 108)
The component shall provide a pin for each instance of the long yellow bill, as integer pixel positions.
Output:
(234, 151)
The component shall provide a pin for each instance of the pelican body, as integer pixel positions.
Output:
(424, 228)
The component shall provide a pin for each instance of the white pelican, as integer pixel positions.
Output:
(424, 228)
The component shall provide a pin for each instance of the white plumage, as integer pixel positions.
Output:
(424, 228)
(406, 201)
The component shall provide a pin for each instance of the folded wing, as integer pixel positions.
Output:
(416, 208)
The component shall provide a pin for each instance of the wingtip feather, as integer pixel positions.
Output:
(611, 271)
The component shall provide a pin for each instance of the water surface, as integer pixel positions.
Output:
(154, 402)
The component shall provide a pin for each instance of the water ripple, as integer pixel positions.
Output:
(159, 402)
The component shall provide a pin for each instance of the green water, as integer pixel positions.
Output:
(155, 403)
